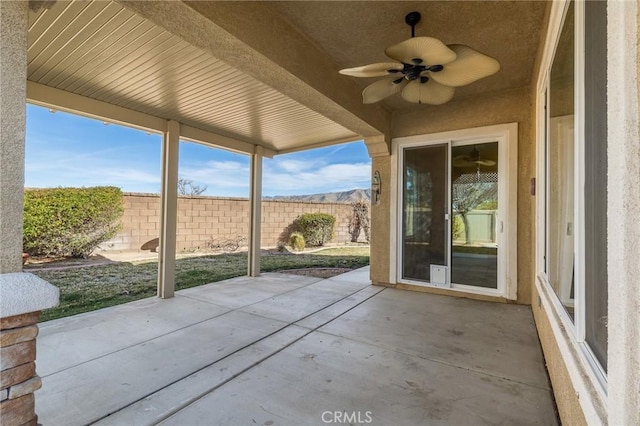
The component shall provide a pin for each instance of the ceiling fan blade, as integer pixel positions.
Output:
(381, 89)
(431, 92)
(431, 50)
(372, 70)
(469, 66)
(486, 162)
(462, 157)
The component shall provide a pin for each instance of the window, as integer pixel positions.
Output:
(575, 169)
(560, 168)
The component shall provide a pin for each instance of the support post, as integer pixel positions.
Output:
(255, 213)
(23, 295)
(168, 211)
(13, 98)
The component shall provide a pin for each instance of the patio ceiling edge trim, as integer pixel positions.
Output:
(50, 97)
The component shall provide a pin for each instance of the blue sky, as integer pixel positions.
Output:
(68, 150)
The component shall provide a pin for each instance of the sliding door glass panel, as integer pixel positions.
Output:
(560, 167)
(424, 225)
(474, 204)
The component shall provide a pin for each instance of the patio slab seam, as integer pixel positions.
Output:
(178, 294)
(189, 296)
(309, 331)
(273, 318)
(142, 342)
(239, 350)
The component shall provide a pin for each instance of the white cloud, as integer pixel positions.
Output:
(328, 178)
(219, 176)
(279, 177)
(294, 166)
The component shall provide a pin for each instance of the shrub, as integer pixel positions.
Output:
(296, 241)
(317, 228)
(70, 221)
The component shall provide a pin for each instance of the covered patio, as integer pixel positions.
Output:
(287, 349)
(262, 79)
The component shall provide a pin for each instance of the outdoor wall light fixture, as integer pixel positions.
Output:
(427, 71)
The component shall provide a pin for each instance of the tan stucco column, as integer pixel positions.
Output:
(13, 95)
(168, 211)
(22, 295)
(623, 126)
(379, 151)
(255, 212)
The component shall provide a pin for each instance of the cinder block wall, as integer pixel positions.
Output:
(203, 219)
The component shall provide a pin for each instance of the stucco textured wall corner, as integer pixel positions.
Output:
(504, 107)
(13, 71)
(623, 122)
(21, 293)
(381, 222)
(564, 393)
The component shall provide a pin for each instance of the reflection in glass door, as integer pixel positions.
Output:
(425, 211)
(474, 204)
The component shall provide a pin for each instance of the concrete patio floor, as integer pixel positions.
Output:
(286, 349)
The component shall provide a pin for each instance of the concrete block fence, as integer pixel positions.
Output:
(205, 219)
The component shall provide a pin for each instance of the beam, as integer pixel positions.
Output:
(168, 211)
(51, 97)
(195, 134)
(377, 146)
(255, 213)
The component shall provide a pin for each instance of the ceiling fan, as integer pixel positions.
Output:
(472, 159)
(427, 71)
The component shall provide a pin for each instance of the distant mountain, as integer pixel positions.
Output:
(329, 197)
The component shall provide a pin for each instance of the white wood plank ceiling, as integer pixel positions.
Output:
(100, 50)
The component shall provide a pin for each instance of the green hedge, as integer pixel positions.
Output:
(70, 221)
(317, 228)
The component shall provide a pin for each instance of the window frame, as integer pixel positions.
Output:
(584, 368)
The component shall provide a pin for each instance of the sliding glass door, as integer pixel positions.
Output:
(474, 203)
(425, 212)
(451, 228)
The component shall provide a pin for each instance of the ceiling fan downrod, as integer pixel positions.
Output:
(412, 19)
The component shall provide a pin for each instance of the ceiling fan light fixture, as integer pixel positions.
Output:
(435, 68)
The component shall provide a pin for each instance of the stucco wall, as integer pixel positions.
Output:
(202, 220)
(505, 107)
(381, 222)
(13, 65)
(566, 397)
